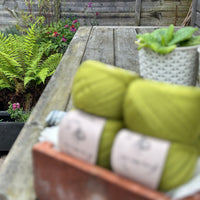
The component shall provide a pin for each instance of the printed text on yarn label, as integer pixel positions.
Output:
(139, 158)
(79, 135)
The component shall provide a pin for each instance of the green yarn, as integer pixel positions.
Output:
(179, 166)
(164, 111)
(99, 88)
(108, 135)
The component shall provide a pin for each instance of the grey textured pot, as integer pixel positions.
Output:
(177, 67)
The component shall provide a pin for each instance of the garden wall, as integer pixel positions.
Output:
(110, 12)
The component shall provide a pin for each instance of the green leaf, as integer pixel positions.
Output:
(182, 34)
(42, 75)
(164, 40)
(195, 40)
(27, 80)
(151, 41)
(4, 85)
(169, 34)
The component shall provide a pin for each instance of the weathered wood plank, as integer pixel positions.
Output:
(194, 8)
(16, 178)
(198, 6)
(138, 12)
(197, 21)
(126, 53)
(142, 30)
(100, 45)
(145, 30)
(151, 21)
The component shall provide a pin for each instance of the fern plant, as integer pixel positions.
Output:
(23, 63)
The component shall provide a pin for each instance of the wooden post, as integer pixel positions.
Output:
(194, 12)
(138, 12)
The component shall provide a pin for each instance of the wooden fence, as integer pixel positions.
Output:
(195, 19)
(110, 12)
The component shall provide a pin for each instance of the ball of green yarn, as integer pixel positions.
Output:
(108, 135)
(179, 167)
(99, 88)
(163, 110)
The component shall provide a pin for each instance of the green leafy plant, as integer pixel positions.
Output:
(12, 30)
(55, 36)
(165, 40)
(17, 113)
(58, 35)
(23, 63)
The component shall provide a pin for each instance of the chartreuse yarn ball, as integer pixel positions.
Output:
(108, 135)
(164, 111)
(179, 166)
(99, 88)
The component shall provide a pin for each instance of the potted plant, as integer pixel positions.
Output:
(168, 55)
(11, 123)
(24, 67)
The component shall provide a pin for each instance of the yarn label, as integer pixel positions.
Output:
(79, 135)
(139, 158)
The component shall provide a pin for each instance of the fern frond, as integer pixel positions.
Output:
(9, 66)
(5, 82)
(4, 85)
(28, 79)
(46, 69)
(6, 44)
(43, 74)
(51, 63)
(37, 57)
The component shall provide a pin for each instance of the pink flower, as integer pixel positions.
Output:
(72, 28)
(66, 26)
(64, 39)
(55, 34)
(14, 106)
(18, 105)
(90, 4)
(75, 21)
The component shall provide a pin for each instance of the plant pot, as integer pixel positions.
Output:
(9, 130)
(178, 67)
(5, 117)
(60, 176)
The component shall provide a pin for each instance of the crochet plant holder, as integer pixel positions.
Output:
(177, 67)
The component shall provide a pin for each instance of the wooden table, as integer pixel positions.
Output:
(111, 45)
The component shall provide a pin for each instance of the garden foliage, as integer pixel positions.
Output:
(17, 113)
(31, 51)
(23, 62)
(58, 35)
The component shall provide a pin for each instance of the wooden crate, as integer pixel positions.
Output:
(58, 176)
